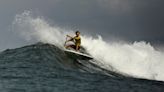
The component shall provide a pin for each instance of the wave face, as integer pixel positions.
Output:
(45, 67)
(138, 59)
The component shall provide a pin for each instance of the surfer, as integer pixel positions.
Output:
(76, 40)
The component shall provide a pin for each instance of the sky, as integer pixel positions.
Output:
(132, 20)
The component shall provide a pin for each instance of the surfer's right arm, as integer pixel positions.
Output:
(69, 36)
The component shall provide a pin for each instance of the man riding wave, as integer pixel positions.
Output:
(76, 40)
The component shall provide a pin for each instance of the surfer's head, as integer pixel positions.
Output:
(77, 33)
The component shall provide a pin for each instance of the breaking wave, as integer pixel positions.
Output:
(138, 59)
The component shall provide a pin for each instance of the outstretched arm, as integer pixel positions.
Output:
(71, 38)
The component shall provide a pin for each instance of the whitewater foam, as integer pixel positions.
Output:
(138, 59)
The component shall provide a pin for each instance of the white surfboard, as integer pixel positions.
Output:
(78, 55)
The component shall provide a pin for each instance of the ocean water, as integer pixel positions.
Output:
(47, 68)
(118, 66)
(137, 59)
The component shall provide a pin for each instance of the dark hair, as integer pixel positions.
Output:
(77, 32)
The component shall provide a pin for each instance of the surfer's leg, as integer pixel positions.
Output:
(71, 46)
(77, 48)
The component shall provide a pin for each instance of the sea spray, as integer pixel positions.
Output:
(138, 59)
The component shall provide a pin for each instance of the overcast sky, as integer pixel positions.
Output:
(129, 19)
